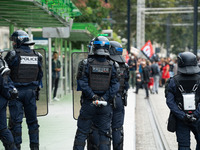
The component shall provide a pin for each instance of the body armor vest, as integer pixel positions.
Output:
(122, 77)
(188, 84)
(27, 69)
(100, 75)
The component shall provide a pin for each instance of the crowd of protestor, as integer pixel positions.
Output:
(149, 74)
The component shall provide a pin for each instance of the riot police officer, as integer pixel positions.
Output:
(183, 97)
(26, 73)
(120, 99)
(7, 92)
(98, 81)
(121, 96)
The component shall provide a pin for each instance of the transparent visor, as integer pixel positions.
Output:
(101, 44)
(119, 50)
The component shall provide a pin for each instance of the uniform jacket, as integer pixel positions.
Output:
(83, 83)
(170, 100)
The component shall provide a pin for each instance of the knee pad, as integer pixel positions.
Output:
(30, 132)
(10, 146)
(33, 124)
(105, 138)
(78, 144)
(93, 139)
(7, 139)
(118, 141)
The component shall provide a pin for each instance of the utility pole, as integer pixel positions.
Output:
(195, 34)
(140, 23)
(168, 35)
(128, 26)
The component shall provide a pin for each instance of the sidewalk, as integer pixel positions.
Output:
(57, 129)
(162, 113)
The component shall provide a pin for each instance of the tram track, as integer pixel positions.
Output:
(160, 140)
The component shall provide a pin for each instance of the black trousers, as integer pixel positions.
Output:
(145, 85)
(55, 86)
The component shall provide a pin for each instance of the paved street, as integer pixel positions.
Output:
(57, 129)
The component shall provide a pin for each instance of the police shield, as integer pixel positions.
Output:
(42, 103)
(76, 58)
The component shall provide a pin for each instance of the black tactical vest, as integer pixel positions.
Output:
(27, 69)
(187, 82)
(122, 68)
(100, 75)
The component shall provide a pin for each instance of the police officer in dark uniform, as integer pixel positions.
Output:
(120, 100)
(7, 92)
(26, 73)
(98, 81)
(121, 96)
(183, 97)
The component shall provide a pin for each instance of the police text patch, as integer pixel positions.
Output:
(29, 60)
(100, 69)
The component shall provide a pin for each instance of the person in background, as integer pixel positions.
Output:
(132, 62)
(165, 71)
(145, 77)
(175, 69)
(56, 67)
(155, 73)
(171, 68)
(161, 64)
(138, 81)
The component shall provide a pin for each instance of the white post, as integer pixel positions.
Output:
(30, 37)
(140, 23)
(50, 70)
(82, 47)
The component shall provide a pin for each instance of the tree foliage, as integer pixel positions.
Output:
(180, 25)
(93, 11)
(114, 14)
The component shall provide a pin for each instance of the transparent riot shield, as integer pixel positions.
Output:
(42, 104)
(76, 95)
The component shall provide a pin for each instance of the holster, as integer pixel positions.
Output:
(124, 98)
(171, 126)
(113, 102)
(37, 94)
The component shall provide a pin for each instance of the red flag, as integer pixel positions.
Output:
(147, 49)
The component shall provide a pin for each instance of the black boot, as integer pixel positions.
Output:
(34, 146)
(18, 146)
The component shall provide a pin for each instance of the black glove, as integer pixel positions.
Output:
(95, 97)
(13, 94)
(190, 118)
(37, 94)
(102, 99)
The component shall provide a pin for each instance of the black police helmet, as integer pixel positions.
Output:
(20, 37)
(101, 46)
(116, 51)
(187, 63)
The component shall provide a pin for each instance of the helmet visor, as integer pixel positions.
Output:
(101, 44)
